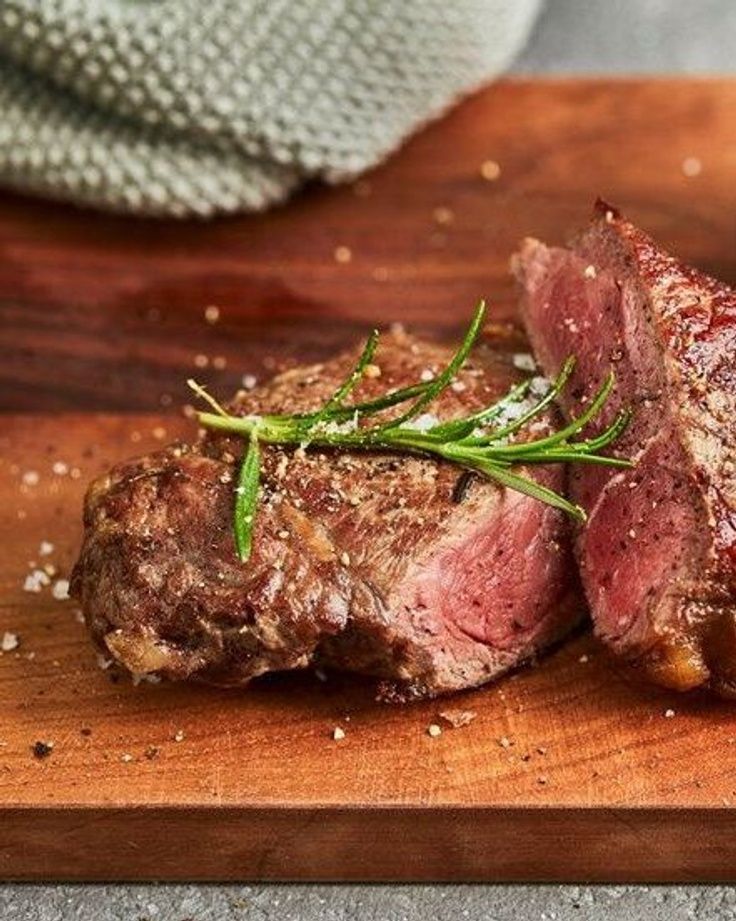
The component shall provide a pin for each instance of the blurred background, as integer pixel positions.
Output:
(632, 36)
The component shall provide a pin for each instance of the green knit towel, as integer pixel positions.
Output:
(200, 107)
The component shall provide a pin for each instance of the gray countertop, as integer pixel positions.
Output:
(571, 36)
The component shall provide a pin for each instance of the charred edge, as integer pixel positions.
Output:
(462, 485)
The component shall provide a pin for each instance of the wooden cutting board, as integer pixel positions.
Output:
(570, 770)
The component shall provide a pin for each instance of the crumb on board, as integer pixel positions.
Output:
(505, 742)
(42, 749)
(126, 758)
(434, 730)
(338, 733)
(103, 662)
(458, 718)
(45, 548)
(669, 713)
(179, 735)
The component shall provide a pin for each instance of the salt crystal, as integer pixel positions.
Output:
(30, 478)
(434, 730)
(443, 215)
(338, 734)
(9, 642)
(45, 548)
(249, 381)
(212, 313)
(422, 423)
(490, 170)
(60, 468)
(691, 166)
(60, 590)
(35, 581)
(524, 361)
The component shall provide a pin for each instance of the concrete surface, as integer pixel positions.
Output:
(366, 903)
(580, 36)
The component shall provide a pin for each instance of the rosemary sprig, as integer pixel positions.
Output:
(486, 441)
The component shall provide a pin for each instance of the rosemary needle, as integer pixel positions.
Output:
(482, 442)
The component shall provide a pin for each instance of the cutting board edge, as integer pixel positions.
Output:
(454, 844)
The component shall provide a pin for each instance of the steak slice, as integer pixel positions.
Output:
(371, 562)
(658, 553)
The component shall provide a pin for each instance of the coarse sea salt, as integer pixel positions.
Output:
(9, 641)
(524, 361)
(60, 589)
(36, 580)
(422, 423)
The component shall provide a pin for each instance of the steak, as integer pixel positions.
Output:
(397, 566)
(658, 552)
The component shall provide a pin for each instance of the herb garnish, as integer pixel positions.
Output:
(473, 442)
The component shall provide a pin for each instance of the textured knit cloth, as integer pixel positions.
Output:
(181, 107)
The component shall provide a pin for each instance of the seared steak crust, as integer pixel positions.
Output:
(364, 562)
(658, 554)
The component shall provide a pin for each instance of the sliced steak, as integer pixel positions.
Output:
(379, 563)
(658, 553)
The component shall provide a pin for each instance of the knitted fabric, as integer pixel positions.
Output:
(181, 107)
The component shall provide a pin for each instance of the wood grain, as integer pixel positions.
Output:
(570, 770)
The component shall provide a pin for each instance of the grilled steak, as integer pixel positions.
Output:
(658, 554)
(374, 562)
